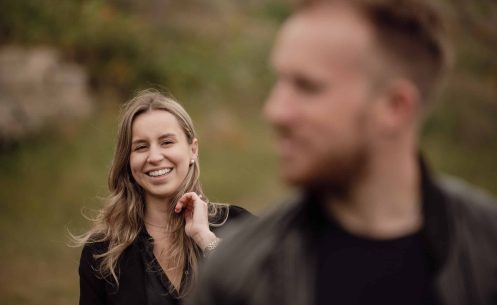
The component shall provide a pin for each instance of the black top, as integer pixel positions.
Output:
(353, 270)
(141, 281)
(158, 288)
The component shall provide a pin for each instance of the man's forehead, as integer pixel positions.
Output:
(328, 33)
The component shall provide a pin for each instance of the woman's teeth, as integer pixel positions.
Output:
(160, 172)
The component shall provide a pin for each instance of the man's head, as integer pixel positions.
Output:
(352, 78)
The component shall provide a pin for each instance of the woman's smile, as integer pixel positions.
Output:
(159, 172)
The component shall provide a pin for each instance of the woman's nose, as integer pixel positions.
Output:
(155, 155)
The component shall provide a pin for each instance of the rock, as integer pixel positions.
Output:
(38, 88)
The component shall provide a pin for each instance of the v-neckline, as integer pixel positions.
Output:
(154, 266)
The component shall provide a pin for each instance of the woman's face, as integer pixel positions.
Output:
(160, 153)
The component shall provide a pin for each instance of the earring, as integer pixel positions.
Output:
(192, 161)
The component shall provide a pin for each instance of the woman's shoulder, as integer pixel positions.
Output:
(238, 212)
(88, 263)
(96, 245)
(92, 249)
(229, 216)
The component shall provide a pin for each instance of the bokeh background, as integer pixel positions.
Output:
(66, 67)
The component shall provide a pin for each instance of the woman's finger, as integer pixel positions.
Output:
(187, 201)
(182, 202)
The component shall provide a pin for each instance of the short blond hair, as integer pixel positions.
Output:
(412, 34)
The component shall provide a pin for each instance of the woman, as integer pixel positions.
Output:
(146, 242)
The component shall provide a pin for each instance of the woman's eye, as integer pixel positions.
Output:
(167, 142)
(139, 148)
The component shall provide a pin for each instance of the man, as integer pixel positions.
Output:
(371, 225)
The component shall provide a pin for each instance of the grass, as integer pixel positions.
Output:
(45, 182)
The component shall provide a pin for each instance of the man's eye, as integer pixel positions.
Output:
(308, 86)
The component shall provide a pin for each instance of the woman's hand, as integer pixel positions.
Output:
(196, 216)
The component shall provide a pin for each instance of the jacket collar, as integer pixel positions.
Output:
(436, 223)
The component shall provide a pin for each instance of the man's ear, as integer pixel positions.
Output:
(400, 106)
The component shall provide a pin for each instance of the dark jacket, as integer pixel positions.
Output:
(95, 290)
(271, 261)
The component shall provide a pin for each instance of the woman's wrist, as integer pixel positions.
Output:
(204, 238)
(211, 246)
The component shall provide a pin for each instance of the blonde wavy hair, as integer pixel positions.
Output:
(120, 220)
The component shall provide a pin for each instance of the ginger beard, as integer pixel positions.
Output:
(325, 166)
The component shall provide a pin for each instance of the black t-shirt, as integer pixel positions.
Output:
(357, 270)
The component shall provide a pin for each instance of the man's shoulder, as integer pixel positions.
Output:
(249, 242)
(244, 261)
(470, 205)
(468, 196)
(268, 224)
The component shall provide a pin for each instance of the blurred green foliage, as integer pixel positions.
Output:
(110, 43)
(188, 43)
(213, 56)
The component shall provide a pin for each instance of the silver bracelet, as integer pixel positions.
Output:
(211, 246)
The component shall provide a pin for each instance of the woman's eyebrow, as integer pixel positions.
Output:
(138, 141)
(168, 135)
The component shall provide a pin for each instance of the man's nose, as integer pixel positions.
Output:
(155, 154)
(278, 108)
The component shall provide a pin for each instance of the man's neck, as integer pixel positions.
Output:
(385, 203)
